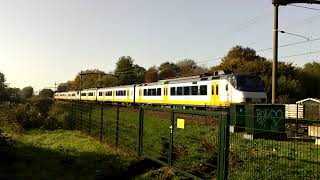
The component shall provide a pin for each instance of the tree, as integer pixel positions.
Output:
(3, 95)
(125, 70)
(63, 87)
(240, 60)
(138, 73)
(109, 81)
(47, 93)
(168, 70)
(27, 92)
(310, 78)
(187, 67)
(245, 60)
(151, 75)
(14, 94)
(90, 79)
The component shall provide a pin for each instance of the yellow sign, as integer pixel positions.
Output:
(180, 123)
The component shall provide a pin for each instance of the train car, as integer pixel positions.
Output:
(124, 94)
(105, 94)
(220, 90)
(151, 93)
(72, 95)
(88, 95)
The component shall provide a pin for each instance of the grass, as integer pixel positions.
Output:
(62, 155)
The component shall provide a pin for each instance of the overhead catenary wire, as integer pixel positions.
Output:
(301, 54)
(305, 7)
(265, 49)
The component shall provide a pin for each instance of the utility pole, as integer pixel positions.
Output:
(276, 4)
(80, 84)
(275, 53)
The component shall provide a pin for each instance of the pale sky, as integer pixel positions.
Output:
(48, 41)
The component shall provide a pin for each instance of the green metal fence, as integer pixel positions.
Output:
(268, 146)
(250, 142)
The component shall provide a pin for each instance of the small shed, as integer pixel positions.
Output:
(311, 108)
(313, 101)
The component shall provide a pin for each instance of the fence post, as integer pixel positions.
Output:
(171, 139)
(80, 120)
(90, 121)
(141, 118)
(117, 127)
(223, 153)
(101, 121)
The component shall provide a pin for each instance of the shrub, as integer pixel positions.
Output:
(27, 116)
(43, 104)
(58, 115)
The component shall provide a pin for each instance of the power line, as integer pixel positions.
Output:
(302, 54)
(305, 7)
(261, 50)
(290, 44)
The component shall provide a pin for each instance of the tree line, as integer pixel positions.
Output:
(294, 83)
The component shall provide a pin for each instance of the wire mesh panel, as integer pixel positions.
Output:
(268, 146)
(156, 134)
(195, 144)
(94, 123)
(127, 128)
(109, 124)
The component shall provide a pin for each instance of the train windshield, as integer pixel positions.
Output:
(248, 83)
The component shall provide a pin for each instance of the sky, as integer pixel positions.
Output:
(43, 42)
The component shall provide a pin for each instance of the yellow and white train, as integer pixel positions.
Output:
(221, 90)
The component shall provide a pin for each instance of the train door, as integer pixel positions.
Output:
(128, 94)
(140, 95)
(215, 100)
(228, 92)
(165, 94)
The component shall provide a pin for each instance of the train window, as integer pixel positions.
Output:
(217, 89)
(203, 90)
(109, 93)
(145, 92)
(149, 92)
(227, 87)
(154, 92)
(172, 91)
(90, 94)
(212, 90)
(159, 92)
(124, 93)
(179, 90)
(100, 93)
(194, 90)
(186, 90)
(83, 94)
